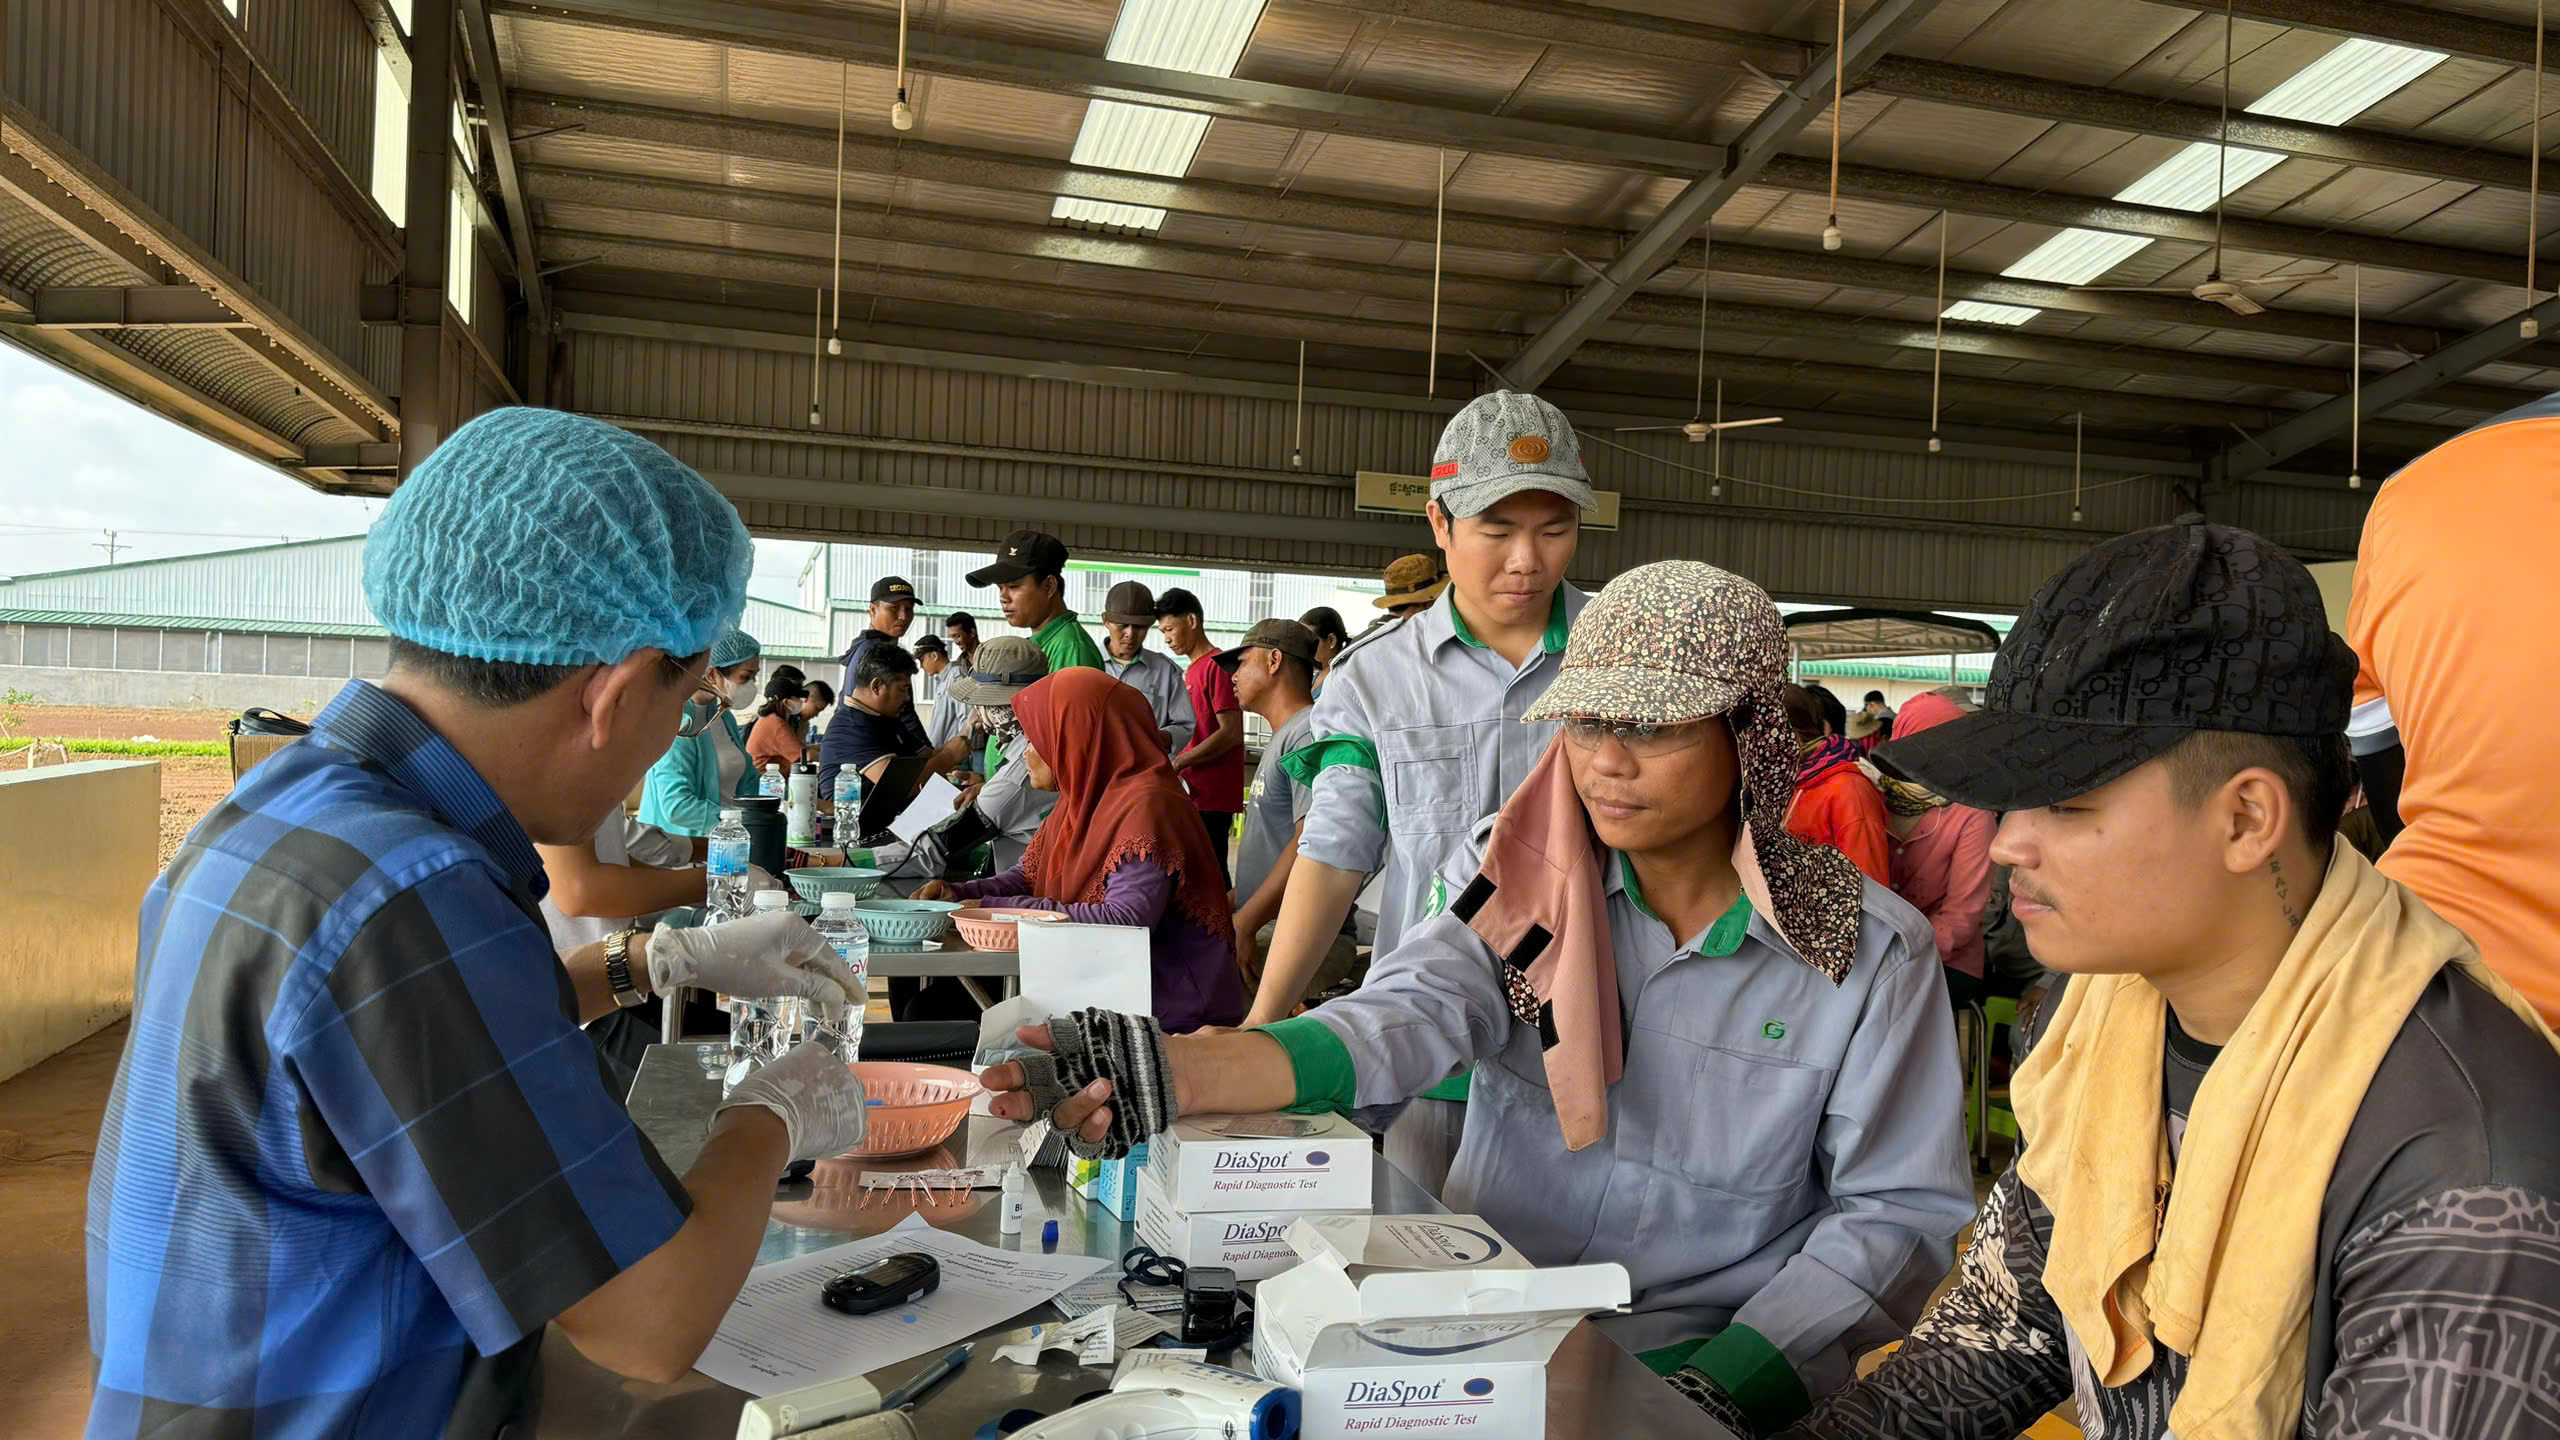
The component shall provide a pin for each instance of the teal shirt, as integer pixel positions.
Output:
(683, 795)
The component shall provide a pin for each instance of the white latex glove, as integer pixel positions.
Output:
(773, 953)
(816, 1096)
(758, 881)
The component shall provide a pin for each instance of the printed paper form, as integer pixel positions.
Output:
(931, 805)
(779, 1336)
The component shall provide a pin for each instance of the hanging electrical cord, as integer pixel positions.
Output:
(1439, 213)
(2528, 327)
(2079, 424)
(1715, 485)
(844, 81)
(2222, 144)
(1938, 346)
(1298, 437)
(1593, 437)
(900, 116)
(1839, 104)
(2355, 391)
(817, 364)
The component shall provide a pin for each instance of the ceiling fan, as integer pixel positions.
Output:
(2231, 295)
(1698, 427)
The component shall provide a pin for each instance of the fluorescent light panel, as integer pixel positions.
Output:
(1205, 37)
(2331, 90)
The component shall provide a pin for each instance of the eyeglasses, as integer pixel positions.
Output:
(1642, 741)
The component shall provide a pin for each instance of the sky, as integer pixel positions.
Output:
(82, 460)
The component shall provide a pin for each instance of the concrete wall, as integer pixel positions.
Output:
(78, 845)
(298, 695)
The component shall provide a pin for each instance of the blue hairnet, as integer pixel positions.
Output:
(737, 647)
(547, 538)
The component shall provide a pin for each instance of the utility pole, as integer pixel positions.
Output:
(110, 546)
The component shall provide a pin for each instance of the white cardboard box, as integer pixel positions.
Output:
(1262, 1162)
(1458, 1345)
(1253, 1243)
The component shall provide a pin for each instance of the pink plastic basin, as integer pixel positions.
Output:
(910, 1107)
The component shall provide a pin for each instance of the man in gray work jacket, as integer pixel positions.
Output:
(1703, 1049)
(1418, 734)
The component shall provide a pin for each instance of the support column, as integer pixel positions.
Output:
(425, 220)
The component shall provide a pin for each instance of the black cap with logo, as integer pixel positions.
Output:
(890, 587)
(1024, 553)
(2130, 649)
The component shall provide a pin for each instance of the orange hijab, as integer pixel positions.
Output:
(1118, 799)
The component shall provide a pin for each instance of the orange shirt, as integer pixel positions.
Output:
(2457, 589)
(1841, 808)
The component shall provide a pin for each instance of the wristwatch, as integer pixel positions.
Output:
(617, 967)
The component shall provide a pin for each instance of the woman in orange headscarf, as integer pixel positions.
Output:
(1125, 845)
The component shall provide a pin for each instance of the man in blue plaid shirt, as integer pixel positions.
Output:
(359, 1152)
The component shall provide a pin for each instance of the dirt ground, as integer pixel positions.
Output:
(189, 785)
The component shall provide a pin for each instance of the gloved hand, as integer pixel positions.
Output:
(758, 880)
(814, 1093)
(773, 953)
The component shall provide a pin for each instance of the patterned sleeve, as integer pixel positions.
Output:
(2448, 1320)
(1983, 1362)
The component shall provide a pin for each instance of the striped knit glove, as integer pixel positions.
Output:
(1702, 1391)
(1090, 1045)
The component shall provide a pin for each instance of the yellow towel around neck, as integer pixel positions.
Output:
(2223, 1273)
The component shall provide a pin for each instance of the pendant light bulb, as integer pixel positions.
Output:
(2075, 514)
(1831, 236)
(1716, 490)
(1934, 446)
(2355, 482)
(902, 116)
(834, 346)
(2529, 327)
(813, 417)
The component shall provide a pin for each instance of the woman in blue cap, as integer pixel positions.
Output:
(707, 766)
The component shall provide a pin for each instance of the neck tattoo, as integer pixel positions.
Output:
(2284, 894)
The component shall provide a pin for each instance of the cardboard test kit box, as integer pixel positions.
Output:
(1111, 1184)
(1253, 1243)
(1262, 1162)
(1398, 1323)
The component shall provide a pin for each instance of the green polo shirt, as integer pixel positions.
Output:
(1066, 644)
(1558, 629)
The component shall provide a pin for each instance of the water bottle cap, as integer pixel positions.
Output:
(772, 900)
(839, 900)
(732, 817)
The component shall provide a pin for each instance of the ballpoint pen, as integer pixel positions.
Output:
(932, 1375)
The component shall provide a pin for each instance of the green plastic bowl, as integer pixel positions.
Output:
(906, 922)
(816, 881)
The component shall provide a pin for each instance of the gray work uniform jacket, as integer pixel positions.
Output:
(1782, 1152)
(1442, 714)
(1161, 680)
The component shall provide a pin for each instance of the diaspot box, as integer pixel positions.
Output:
(1253, 1243)
(1262, 1162)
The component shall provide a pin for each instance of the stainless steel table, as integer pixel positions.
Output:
(1594, 1388)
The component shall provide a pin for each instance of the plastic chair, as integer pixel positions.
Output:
(1993, 1110)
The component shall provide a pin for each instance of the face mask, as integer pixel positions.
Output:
(742, 694)
(697, 717)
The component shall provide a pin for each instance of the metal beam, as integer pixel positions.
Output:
(1307, 210)
(2052, 100)
(1697, 203)
(424, 405)
(130, 307)
(2425, 27)
(836, 35)
(732, 263)
(1594, 27)
(2327, 422)
(807, 220)
(387, 38)
(365, 455)
(482, 42)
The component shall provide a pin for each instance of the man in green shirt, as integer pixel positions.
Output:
(1029, 574)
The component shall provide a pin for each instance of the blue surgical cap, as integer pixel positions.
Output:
(546, 538)
(735, 648)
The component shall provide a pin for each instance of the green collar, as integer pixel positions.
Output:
(1721, 939)
(1063, 617)
(1558, 626)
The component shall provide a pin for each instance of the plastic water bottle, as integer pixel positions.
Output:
(839, 1028)
(848, 807)
(751, 1020)
(724, 867)
(770, 784)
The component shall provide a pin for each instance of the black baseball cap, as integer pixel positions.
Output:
(1286, 636)
(1024, 553)
(890, 587)
(2129, 650)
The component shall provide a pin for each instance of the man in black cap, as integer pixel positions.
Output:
(1128, 617)
(893, 610)
(1029, 573)
(2289, 1167)
(1274, 668)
